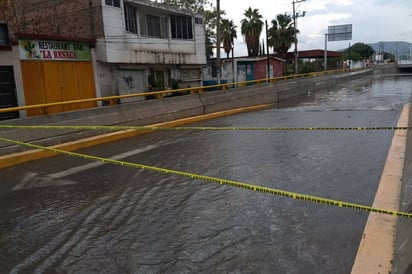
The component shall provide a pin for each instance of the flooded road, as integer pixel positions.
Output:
(69, 215)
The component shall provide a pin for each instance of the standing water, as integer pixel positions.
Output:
(69, 215)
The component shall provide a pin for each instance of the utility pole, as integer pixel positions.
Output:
(325, 67)
(267, 50)
(295, 21)
(233, 64)
(218, 41)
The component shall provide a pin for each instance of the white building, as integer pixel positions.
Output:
(149, 46)
(70, 50)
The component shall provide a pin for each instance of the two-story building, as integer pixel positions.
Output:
(55, 50)
(149, 46)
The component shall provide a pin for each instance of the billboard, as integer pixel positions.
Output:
(340, 33)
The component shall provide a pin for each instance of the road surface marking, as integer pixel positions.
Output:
(91, 165)
(237, 184)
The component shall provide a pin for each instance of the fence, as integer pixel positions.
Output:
(161, 94)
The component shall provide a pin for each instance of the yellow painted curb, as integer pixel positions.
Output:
(376, 248)
(26, 156)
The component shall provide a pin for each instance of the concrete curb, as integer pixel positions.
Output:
(376, 249)
(27, 156)
(402, 262)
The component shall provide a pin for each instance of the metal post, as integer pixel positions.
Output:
(296, 39)
(267, 51)
(233, 64)
(350, 57)
(218, 40)
(326, 52)
(295, 16)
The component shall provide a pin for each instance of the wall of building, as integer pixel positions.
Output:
(48, 20)
(76, 18)
(122, 61)
(106, 79)
(11, 58)
(120, 46)
(244, 69)
(275, 69)
(138, 63)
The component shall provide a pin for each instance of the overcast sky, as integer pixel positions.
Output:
(372, 20)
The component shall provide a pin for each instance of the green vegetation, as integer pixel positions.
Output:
(192, 5)
(358, 51)
(282, 34)
(210, 28)
(251, 29)
(227, 34)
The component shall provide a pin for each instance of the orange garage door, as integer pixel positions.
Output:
(57, 81)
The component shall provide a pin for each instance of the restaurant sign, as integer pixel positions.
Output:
(54, 50)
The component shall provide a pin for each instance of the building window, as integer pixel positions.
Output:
(198, 20)
(181, 27)
(153, 26)
(130, 18)
(4, 35)
(114, 3)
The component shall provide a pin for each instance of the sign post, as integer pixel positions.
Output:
(336, 33)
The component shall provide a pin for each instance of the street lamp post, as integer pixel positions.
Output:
(295, 16)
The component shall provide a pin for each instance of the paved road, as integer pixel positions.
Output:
(71, 215)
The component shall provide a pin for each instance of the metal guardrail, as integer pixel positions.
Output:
(161, 94)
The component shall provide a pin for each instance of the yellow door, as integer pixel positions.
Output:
(56, 81)
(86, 85)
(53, 86)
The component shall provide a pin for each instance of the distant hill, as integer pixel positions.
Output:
(397, 47)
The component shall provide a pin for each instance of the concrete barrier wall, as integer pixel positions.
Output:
(139, 113)
(238, 98)
(168, 109)
(385, 70)
(403, 245)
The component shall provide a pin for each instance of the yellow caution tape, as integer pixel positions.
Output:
(256, 188)
(114, 128)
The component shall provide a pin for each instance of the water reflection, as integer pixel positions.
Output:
(121, 220)
(382, 94)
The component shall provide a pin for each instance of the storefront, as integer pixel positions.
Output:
(56, 71)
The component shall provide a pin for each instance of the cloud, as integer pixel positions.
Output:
(372, 20)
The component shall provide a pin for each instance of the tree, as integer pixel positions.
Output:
(353, 56)
(210, 30)
(251, 29)
(388, 56)
(227, 35)
(365, 51)
(282, 34)
(192, 5)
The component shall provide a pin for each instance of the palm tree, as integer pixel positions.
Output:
(282, 34)
(210, 27)
(251, 29)
(227, 34)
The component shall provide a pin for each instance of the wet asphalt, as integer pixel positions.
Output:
(70, 215)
